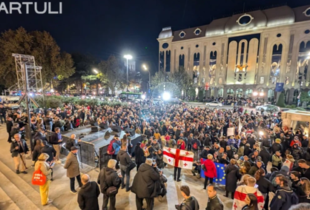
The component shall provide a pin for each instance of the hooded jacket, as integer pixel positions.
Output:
(88, 196)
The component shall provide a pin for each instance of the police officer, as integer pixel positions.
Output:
(284, 197)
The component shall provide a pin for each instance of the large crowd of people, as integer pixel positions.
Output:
(266, 163)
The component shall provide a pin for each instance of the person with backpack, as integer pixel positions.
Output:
(109, 182)
(114, 147)
(189, 202)
(284, 197)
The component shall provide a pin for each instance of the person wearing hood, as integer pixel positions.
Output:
(145, 184)
(284, 171)
(189, 202)
(109, 179)
(88, 194)
(296, 152)
(124, 159)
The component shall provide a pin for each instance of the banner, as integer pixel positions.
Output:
(279, 87)
(178, 158)
(220, 172)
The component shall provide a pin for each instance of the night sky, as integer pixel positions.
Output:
(105, 27)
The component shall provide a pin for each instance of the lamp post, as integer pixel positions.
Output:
(128, 57)
(145, 68)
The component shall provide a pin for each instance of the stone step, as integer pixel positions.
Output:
(26, 191)
(6, 202)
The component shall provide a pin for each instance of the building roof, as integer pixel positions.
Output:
(258, 19)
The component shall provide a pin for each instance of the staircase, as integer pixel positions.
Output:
(17, 194)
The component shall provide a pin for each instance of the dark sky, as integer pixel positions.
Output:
(105, 27)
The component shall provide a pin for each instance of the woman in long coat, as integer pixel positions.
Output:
(210, 171)
(232, 175)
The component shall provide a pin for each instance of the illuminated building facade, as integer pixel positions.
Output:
(244, 53)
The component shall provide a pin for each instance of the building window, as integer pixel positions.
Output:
(245, 20)
(307, 12)
(278, 35)
(197, 31)
(182, 34)
(165, 45)
(307, 31)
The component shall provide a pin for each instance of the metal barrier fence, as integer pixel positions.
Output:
(86, 152)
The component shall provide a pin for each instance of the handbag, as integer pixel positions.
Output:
(111, 191)
(38, 178)
(203, 167)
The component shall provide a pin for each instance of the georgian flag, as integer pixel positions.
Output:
(178, 158)
(240, 194)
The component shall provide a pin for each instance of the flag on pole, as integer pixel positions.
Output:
(178, 158)
(220, 172)
(240, 194)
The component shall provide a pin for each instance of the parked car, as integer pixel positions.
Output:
(214, 104)
(268, 108)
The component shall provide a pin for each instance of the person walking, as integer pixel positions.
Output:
(9, 126)
(144, 184)
(46, 170)
(18, 149)
(124, 159)
(139, 155)
(88, 194)
(210, 170)
(56, 141)
(72, 165)
(214, 203)
(108, 179)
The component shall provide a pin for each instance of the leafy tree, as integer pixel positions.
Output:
(112, 73)
(280, 102)
(39, 44)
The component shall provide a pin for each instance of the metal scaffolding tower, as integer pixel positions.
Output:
(34, 73)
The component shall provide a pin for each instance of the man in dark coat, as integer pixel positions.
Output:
(107, 178)
(265, 155)
(88, 194)
(9, 125)
(139, 155)
(2, 113)
(214, 203)
(145, 184)
(232, 176)
(189, 202)
(124, 159)
(18, 149)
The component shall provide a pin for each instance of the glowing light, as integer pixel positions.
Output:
(96, 71)
(166, 96)
(52, 90)
(143, 97)
(128, 57)
(261, 94)
(255, 93)
(261, 133)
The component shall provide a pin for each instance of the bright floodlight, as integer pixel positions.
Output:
(128, 57)
(261, 133)
(52, 90)
(143, 97)
(144, 67)
(95, 70)
(166, 96)
(261, 94)
(255, 94)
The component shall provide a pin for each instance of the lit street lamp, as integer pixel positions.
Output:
(145, 68)
(128, 57)
(96, 71)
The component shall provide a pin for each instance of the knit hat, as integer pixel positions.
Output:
(278, 140)
(285, 168)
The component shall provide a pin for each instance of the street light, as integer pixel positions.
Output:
(145, 68)
(128, 57)
(96, 71)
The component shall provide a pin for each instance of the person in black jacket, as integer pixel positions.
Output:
(2, 113)
(9, 125)
(56, 141)
(124, 159)
(214, 203)
(265, 155)
(108, 178)
(36, 151)
(232, 176)
(18, 149)
(145, 184)
(139, 155)
(88, 194)
(264, 185)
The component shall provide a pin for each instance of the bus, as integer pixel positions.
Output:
(131, 96)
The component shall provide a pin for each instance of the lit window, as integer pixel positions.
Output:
(182, 34)
(197, 31)
(245, 19)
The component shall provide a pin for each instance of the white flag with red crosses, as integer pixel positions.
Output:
(178, 158)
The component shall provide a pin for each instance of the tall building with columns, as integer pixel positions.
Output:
(244, 53)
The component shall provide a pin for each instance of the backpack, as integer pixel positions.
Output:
(38, 178)
(195, 146)
(110, 149)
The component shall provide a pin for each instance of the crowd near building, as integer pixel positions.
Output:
(244, 53)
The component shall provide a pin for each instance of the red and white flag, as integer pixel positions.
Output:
(178, 158)
(240, 194)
